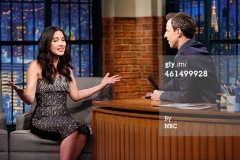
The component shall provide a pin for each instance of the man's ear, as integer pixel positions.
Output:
(179, 32)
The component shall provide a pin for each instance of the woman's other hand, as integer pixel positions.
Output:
(16, 88)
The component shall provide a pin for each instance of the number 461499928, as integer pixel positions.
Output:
(186, 73)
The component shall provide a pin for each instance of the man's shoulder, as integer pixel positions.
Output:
(194, 50)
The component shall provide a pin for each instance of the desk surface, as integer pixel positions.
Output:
(150, 106)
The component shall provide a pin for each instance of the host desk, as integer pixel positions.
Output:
(135, 129)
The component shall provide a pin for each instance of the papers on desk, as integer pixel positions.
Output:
(192, 106)
(179, 105)
(195, 108)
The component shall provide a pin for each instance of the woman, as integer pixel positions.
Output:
(49, 79)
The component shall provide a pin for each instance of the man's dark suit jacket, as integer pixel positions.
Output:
(191, 89)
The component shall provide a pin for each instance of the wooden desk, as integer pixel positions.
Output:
(135, 129)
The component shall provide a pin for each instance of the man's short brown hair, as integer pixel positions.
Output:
(184, 22)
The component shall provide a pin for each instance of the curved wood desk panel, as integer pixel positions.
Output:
(134, 129)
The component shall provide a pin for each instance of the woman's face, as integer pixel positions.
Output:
(58, 44)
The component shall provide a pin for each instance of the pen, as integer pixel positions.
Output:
(223, 90)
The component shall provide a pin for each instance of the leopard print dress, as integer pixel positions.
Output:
(51, 119)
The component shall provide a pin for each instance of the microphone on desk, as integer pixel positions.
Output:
(155, 86)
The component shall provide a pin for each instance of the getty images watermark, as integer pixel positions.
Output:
(167, 124)
(182, 73)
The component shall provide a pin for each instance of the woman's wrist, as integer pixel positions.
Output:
(102, 85)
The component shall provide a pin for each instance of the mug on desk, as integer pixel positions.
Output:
(221, 102)
(231, 103)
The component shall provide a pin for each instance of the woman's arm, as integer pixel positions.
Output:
(32, 77)
(77, 95)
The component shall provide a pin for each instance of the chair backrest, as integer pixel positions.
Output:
(3, 120)
(82, 110)
(1, 108)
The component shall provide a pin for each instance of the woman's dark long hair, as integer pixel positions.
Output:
(45, 56)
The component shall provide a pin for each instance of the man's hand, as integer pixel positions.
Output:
(155, 96)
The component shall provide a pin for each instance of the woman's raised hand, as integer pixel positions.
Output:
(107, 80)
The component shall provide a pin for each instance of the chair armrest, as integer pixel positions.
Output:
(3, 121)
(23, 121)
(107, 92)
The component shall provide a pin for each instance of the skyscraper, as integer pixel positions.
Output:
(214, 24)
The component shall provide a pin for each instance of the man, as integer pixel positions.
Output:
(194, 81)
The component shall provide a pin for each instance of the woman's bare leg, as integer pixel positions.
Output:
(80, 143)
(68, 145)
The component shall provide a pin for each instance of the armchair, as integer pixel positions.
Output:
(3, 130)
(26, 146)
